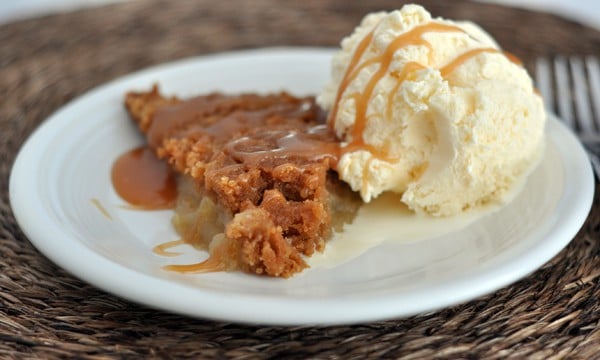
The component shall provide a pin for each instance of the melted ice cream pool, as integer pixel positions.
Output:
(387, 219)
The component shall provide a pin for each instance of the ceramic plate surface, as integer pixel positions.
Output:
(62, 175)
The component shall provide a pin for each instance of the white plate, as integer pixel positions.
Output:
(66, 163)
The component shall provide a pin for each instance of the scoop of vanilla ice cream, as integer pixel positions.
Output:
(433, 110)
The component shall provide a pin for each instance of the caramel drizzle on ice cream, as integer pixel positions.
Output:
(449, 68)
(361, 99)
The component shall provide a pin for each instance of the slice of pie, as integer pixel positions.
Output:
(257, 187)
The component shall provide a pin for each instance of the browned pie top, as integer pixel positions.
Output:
(266, 162)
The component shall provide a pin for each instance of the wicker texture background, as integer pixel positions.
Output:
(45, 312)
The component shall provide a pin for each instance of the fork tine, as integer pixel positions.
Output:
(543, 77)
(584, 94)
(593, 69)
(563, 87)
(581, 97)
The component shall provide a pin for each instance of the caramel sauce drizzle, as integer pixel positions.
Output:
(163, 249)
(216, 261)
(361, 99)
(412, 37)
(313, 144)
(360, 49)
(512, 57)
(212, 264)
(462, 58)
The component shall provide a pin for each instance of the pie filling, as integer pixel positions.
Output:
(256, 186)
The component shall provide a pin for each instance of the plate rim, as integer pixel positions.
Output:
(271, 309)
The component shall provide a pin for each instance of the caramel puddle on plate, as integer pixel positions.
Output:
(143, 180)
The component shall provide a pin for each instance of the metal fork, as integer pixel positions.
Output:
(571, 88)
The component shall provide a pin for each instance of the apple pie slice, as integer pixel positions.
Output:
(256, 187)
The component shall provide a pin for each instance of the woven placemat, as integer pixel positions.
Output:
(45, 312)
